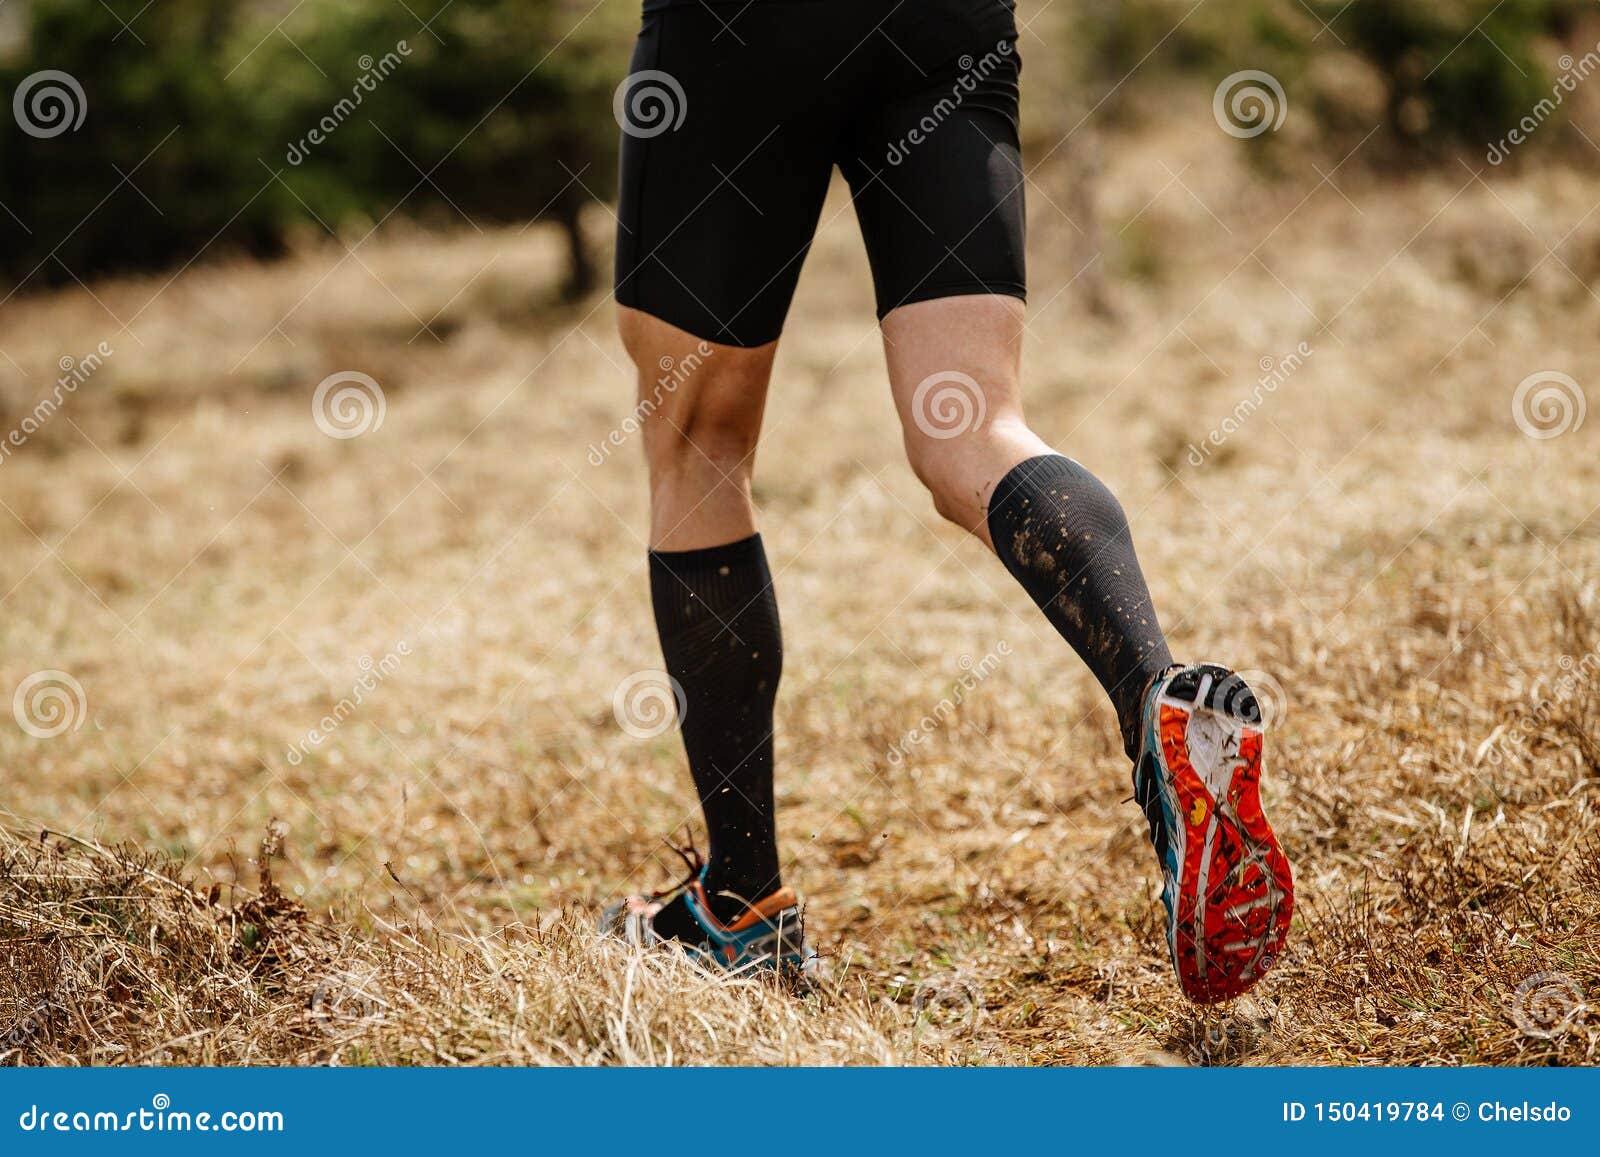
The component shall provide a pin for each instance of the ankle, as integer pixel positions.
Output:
(731, 892)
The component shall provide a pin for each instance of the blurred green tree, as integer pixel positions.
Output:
(125, 146)
(1452, 72)
(1456, 71)
(198, 126)
(495, 110)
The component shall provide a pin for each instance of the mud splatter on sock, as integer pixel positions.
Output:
(1065, 538)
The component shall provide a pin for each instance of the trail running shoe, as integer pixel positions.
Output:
(770, 934)
(1228, 889)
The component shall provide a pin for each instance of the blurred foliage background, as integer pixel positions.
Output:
(1444, 72)
(233, 124)
(494, 110)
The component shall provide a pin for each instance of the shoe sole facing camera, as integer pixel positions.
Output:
(1229, 891)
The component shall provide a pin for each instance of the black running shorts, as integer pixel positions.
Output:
(735, 113)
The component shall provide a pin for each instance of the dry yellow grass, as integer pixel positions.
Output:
(1379, 538)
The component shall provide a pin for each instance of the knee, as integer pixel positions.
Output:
(701, 438)
(946, 491)
(961, 473)
(699, 405)
(941, 469)
(709, 422)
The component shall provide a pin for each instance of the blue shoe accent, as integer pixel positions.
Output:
(771, 934)
(1154, 797)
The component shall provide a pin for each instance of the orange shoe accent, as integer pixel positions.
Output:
(762, 911)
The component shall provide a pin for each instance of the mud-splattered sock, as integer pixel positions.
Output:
(718, 621)
(1065, 538)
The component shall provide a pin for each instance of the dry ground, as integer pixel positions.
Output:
(1409, 570)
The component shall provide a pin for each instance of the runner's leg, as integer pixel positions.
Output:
(1058, 530)
(716, 613)
(726, 158)
(939, 182)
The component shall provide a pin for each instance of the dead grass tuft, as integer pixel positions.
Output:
(112, 957)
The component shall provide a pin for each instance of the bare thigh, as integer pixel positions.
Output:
(955, 371)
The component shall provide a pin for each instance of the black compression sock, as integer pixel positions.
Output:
(718, 621)
(1065, 538)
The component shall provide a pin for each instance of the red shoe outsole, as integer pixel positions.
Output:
(1235, 897)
